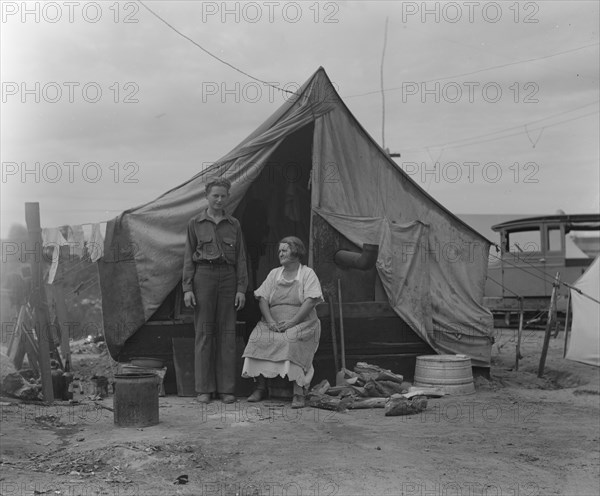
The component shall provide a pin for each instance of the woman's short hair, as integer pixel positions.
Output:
(220, 181)
(296, 245)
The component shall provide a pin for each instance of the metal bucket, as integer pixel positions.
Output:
(135, 400)
(450, 373)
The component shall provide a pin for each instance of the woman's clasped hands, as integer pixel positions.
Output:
(282, 326)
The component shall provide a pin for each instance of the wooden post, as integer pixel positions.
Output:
(519, 334)
(550, 319)
(42, 321)
(567, 324)
(62, 315)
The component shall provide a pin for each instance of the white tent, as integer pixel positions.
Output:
(584, 344)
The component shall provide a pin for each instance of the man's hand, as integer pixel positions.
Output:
(189, 299)
(240, 301)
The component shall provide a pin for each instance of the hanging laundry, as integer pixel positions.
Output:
(76, 240)
(95, 244)
(52, 237)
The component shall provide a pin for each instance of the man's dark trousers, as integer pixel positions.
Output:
(214, 320)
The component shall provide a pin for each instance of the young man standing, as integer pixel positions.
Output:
(215, 278)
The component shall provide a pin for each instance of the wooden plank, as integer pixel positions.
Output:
(38, 297)
(20, 350)
(15, 338)
(32, 349)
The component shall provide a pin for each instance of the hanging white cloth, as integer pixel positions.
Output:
(76, 240)
(52, 237)
(95, 243)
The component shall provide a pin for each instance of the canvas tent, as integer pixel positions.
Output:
(584, 343)
(431, 266)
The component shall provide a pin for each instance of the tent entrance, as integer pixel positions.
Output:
(277, 204)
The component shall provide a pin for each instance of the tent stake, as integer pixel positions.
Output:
(343, 345)
(519, 334)
(567, 324)
(336, 360)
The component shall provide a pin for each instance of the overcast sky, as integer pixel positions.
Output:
(105, 107)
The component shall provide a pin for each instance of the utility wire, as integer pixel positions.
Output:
(520, 132)
(470, 141)
(381, 81)
(209, 53)
(544, 276)
(479, 70)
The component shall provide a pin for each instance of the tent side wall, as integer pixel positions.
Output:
(371, 197)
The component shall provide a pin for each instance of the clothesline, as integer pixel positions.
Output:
(77, 239)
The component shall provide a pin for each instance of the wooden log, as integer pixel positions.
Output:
(369, 403)
(402, 406)
(392, 387)
(374, 390)
(347, 390)
(322, 388)
(327, 402)
(368, 371)
(430, 392)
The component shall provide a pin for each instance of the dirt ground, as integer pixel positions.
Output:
(517, 435)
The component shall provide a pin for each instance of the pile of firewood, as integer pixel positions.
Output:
(370, 386)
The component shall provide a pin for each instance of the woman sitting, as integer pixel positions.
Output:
(284, 342)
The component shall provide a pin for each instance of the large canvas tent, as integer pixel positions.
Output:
(584, 343)
(317, 172)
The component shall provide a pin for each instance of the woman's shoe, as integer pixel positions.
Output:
(257, 395)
